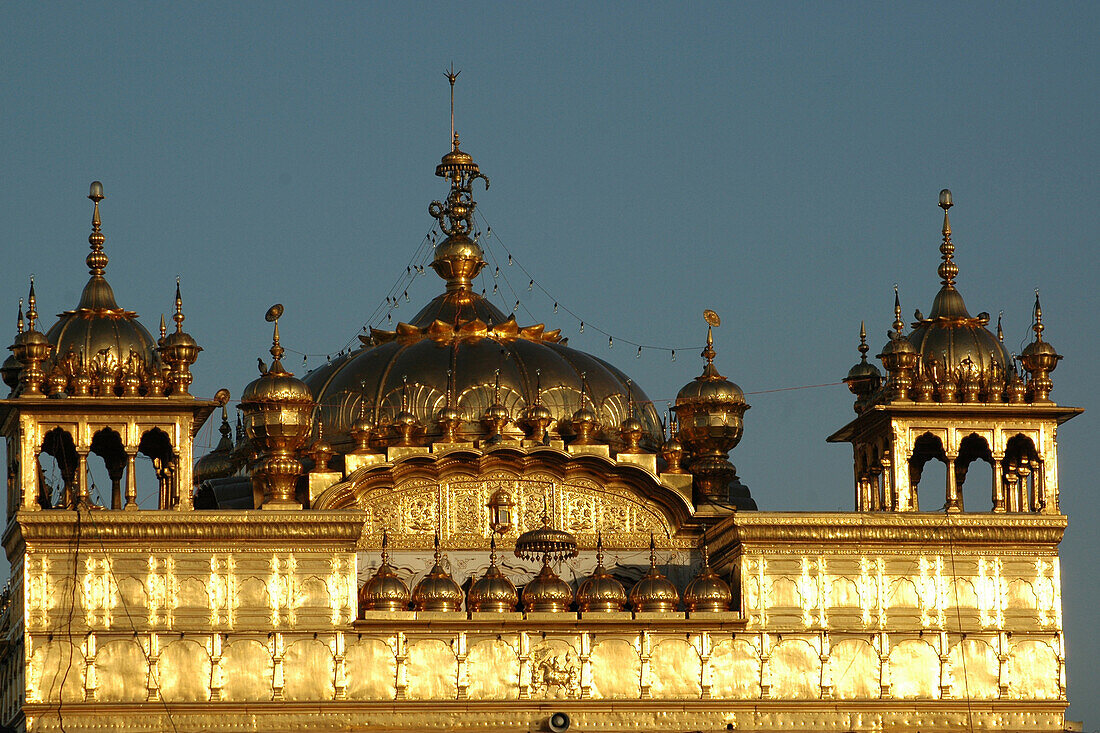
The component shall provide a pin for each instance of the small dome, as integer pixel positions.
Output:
(547, 592)
(654, 592)
(707, 591)
(218, 463)
(492, 592)
(277, 385)
(437, 591)
(10, 371)
(384, 591)
(600, 591)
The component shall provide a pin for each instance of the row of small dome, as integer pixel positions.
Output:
(951, 356)
(99, 349)
(494, 592)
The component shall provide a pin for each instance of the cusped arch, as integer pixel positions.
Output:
(974, 670)
(675, 670)
(735, 670)
(371, 670)
(616, 670)
(403, 495)
(121, 668)
(56, 673)
(247, 671)
(1033, 671)
(854, 670)
(308, 671)
(914, 670)
(492, 671)
(183, 672)
(432, 671)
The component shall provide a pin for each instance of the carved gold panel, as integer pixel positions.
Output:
(555, 670)
(616, 670)
(246, 671)
(56, 671)
(854, 670)
(974, 670)
(1033, 671)
(914, 670)
(492, 671)
(675, 670)
(794, 670)
(121, 670)
(735, 670)
(371, 670)
(432, 671)
(308, 671)
(183, 672)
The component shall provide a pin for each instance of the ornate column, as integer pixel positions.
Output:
(954, 501)
(889, 501)
(998, 484)
(131, 478)
(81, 498)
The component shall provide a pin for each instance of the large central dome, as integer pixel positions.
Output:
(460, 351)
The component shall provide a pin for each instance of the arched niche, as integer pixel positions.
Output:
(156, 445)
(57, 467)
(1023, 475)
(975, 462)
(107, 445)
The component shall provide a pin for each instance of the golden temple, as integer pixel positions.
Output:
(466, 524)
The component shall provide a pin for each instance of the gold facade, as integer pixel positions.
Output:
(196, 616)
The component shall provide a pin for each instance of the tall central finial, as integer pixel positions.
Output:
(898, 323)
(97, 259)
(272, 316)
(451, 76)
(1038, 313)
(178, 317)
(863, 347)
(713, 321)
(948, 269)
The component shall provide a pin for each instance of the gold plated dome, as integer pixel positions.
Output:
(384, 591)
(492, 591)
(654, 592)
(461, 333)
(600, 591)
(218, 463)
(707, 591)
(98, 330)
(437, 591)
(547, 592)
(546, 543)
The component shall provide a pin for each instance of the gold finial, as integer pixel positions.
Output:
(652, 551)
(405, 393)
(272, 316)
(706, 554)
(493, 550)
(599, 548)
(178, 317)
(437, 555)
(948, 269)
(1000, 331)
(225, 430)
(385, 546)
(863, 347)
(32, 309)
(452, 75)
(898, 323)
(97, 258)
(1038, 327)
(712, 321)
(163, 328)
(19, 323)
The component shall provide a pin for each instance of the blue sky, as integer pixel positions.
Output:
(779, 163)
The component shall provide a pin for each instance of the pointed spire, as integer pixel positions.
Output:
(1038, 327)
(452, 75)
(863, 347)
(899, 325)
(97, 258)
(385, 546)
(948, 269)
(1000, 331)
(32, 307)
(178, 317)
(19, 323)
(163, 328)
(599, 548)
(706, 553)
(652, 551)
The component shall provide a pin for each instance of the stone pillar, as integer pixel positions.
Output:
(81, 499)
(889, 502)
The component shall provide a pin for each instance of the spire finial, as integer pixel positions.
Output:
(863, 347)
(599, 548)
(178, 317)
(405, 393)
(948, 269)
(225, 429)
(712, 321)
(538, 386)
(496, 387)
(385, 546)
(493, 550)
(1038, 327)
(652, 551)
(163, 328)
(452, 75)
(898, 323)
(19, 322)
(272, 316)
(437, 555)
(32, 307)
(97, 259)
(1000, 331)
(706, 553)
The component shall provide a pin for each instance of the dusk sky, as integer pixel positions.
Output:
(779, 164)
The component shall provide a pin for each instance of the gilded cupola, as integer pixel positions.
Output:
(218, 463)
(437, 591)
(654, 592)
(277, 409)
(98, 339)
(707, 591)
(384, 591)
(451, 350)
(864, 377)
(600, 591)
(710, 410)
(492, 591)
